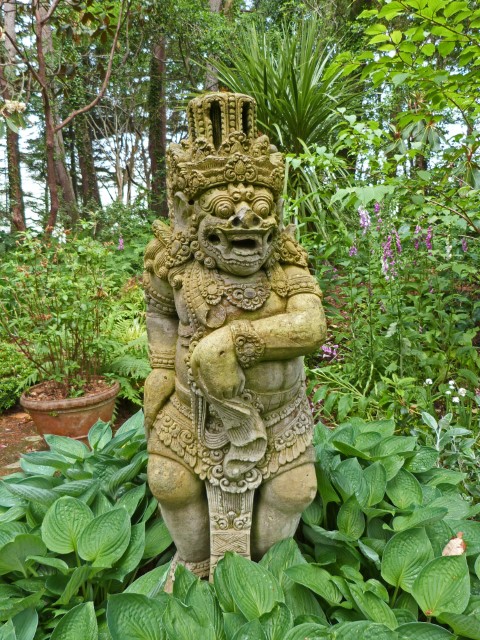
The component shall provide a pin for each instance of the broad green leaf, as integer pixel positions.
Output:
(184, 623)
(232, 623)
(393, 446)
(250, 631)
(63, 524)
(373, 607)
(157, 539)
(350, 519)
(404, 556)
(104, 540)
(132, 556)
(392, 466)
(131, 499)
(254, 590)
(423, 631)
(317, 579)
(423, 460)
(67, 447)
(471, 534)
(201, 597)
(443, 586)
(348, 477)
(376, 478)
(282, 555)
(404, 490)
(7, 631)
(151, 583)
(99, 435)
(462, 625)
(363, 630)
(10, 530)
(79, 622)
(48, 561)
(183, 581)
(15, 553)
(30, 493)
(308, 630)
(26, 624)
(277, 622)
(11, 607)
(136, 617)
(133, 424)
(419, 518)
(77, 579)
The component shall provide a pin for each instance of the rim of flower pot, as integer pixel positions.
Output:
(68, 403)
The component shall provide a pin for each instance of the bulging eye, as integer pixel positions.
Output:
(223, 208)
(262, 207)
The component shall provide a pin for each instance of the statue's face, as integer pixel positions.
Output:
(238, 227)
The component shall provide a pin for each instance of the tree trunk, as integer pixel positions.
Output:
(15, 194)
(211, 80)
(90, 190)
(158, 130)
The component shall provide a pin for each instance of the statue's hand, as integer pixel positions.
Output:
(215, 367)
(159, 386)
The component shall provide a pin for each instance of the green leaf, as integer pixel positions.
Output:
(136, 617)
(15, 553)
(373, 607)
(157, 539)
(99, 435)
(419, 518)
(308, 630)
(151, 583)
(423, 460)
(26, 624)
(201, 597)
(462, 625)
(350, 519)
(132, 556)
(422, 631)
(79, 622)
(376, 478)
(396, 37)
(131, 499)
(67, 447)
(105, 539)
(184, 623)
(77, 579)
(405, 555)
(443, 586)
(404, 490)
(317, 579)
(277, 622)
(446, 47)
(7, 631)
(56, 563)
(63, 524)
(254, 590)
(10, 530)
(250, 631)
(11, 607)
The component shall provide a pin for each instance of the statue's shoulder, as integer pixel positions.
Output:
(158, 291)
(288, 251)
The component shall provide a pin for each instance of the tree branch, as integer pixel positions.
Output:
(106, 80)
(50, 12)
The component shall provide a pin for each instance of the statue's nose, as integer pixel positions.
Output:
(245, 218)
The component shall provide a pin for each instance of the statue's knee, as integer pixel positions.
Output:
(292, 491)
(171, 483)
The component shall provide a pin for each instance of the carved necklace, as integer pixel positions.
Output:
(244, 295)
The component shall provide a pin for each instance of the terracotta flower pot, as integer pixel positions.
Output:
(72, 417)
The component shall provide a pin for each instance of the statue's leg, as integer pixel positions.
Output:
(183, 503)
(279, 505)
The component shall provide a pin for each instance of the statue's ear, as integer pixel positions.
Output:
(182, 209)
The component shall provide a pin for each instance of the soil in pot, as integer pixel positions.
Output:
(72, 417)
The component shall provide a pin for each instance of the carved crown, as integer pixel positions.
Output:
(222, 147)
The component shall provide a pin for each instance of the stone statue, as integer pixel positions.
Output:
(232, 310)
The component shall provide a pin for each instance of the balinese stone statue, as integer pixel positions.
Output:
(232, 310)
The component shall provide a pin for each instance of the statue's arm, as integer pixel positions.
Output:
(162, 331)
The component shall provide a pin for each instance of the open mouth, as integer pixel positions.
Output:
(239, 244)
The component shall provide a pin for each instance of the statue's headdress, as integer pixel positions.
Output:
(222, 147)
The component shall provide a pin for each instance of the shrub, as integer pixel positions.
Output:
(14, 369)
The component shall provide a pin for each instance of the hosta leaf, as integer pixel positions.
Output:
(26, 624)
(136, 617)
(471, 534)
(423, 631)
(11, 607)
(132, 556)
(56, 563)
(350, 519)
(463, 625)
(317, 579)
(63, 524)
(184, 623)
(393, 446)
(15, 553)
(99, 435)
(79, 622)
(151, 583)
(105, 539)
(363, 629)
(250, 631)
(373, 607)
(423, 460)
(127, 473)
(282, 555)
(443, 586)
(254, 590)
(277, 622)
(157, 539)
(31, 493)
(67, 447)
(183, 580)
(404, 490)
(201, 597)
(308, 630)
(131, 499)
(375, 476)
(7, 631)
(404, 556)
(419, 518)
(10, 530)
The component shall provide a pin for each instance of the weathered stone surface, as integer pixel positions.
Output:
(232, 310)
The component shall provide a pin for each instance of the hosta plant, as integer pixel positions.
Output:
(75, 527)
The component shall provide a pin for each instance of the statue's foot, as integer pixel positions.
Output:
(200, 569)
